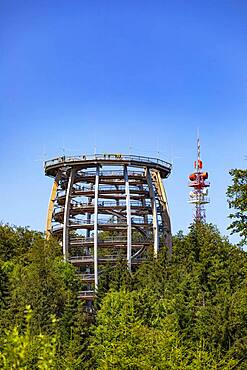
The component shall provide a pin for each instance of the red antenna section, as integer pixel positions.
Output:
(198, 181)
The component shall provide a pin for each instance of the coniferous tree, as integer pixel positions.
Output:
(237, 199)
(188, 311)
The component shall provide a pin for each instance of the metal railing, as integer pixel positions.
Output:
(109, 157)
(81, 258)
(115, 173)
(106, 258)
(113, 188)
(57, 227)
(61, 193)
(116, 239)
(103, 203)
(91, 258)
(86, 276)
(121, 222)
(108, 221)
(86, 293)
(82, 187)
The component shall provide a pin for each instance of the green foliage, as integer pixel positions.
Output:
(189, 312)
(121, 339)
(42, 282)
(34, 275)
(15, 241)
(237, 199)
(21, 350)
(184, 312)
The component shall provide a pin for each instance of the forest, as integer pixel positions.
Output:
(187, 311)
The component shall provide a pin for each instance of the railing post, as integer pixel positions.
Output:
(155, 215)
(66, 214)
(96, 198)
(128, 215)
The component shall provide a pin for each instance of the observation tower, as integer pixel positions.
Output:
(199, 195)
(107, 207)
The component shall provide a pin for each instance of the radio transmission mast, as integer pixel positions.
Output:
(199, 195)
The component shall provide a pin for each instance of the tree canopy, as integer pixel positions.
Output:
(237, 199)
(185, 312)
(40, 314)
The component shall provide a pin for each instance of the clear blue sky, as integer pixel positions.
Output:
(121, 76)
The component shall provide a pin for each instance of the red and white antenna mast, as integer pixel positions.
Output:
(198, 196)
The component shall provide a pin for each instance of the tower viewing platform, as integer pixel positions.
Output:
(106, 207)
